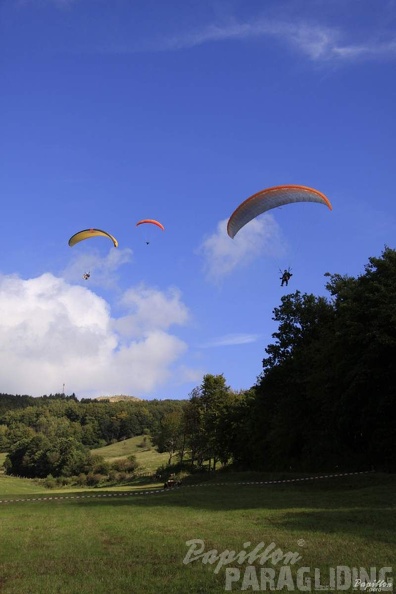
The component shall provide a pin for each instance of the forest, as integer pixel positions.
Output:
(324, 401)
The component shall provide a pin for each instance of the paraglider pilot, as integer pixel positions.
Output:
(286, 276)
(86, 275)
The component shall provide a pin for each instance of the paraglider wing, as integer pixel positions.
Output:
(272, 198)
(152, 222)
(88, 233)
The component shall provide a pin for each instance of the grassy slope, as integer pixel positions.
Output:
(147, 456)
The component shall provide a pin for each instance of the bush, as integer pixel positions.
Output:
(81, 480)
(128, 465)
(94, 479)
(64, 481)
(50, 482)
(101, 467)
(178, 469)
(145, 443)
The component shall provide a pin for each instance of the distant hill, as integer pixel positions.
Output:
(119, 398)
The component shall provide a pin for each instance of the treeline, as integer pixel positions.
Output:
(325, 400)
(327, 395)
(94, 423)
(11, 402)
(54, 435)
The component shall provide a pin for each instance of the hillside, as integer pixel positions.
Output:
(140, 446)
(119, 398)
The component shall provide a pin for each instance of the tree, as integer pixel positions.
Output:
(193, 425)
(28, 457)
(292, 382)
(366, 344)
(204, 420)
(327, 394)
(169, 437)
(39, 456)
(236, 430)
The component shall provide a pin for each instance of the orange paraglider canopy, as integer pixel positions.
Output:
(272, 198)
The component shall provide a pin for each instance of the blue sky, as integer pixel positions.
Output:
(178, 110)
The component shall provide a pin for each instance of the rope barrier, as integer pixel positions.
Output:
(157, 491)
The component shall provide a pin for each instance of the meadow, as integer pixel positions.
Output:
(141, 447)
(123, 540)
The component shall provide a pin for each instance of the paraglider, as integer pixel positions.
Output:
(272, 198)
(88, 233)
(286, 276)
(268, 199)
(150, 222)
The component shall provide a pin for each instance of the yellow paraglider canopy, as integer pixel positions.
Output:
(88, 233)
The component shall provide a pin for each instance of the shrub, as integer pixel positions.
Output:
(128, 465)
(93, 479)
(50, 482)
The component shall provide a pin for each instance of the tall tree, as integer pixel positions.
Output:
(211, 401)
(327, 394)
(170, 435)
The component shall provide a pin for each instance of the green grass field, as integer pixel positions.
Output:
(135, 544)
(132, 539)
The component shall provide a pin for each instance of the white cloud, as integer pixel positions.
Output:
(222, 255)
(368, 50)
(103, 269)
(53, 332)
(231, 340)
(325, 44)
(151, 310)
(187, 375)
(318, 42)
(307, 34)
(312, 39)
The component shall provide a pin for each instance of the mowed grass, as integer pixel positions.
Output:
(14, 486)
(136, 544)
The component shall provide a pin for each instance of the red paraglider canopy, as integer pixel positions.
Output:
(153, 222)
